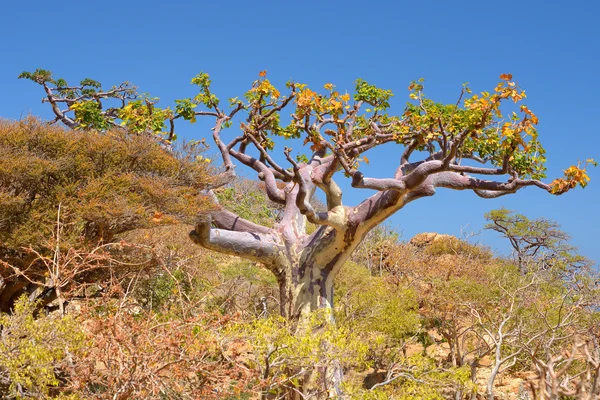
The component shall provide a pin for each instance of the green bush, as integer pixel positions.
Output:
(33, 351)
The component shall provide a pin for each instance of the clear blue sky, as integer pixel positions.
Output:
(552, 48)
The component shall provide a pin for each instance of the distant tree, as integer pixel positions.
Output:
(459, 146)
(537, 243)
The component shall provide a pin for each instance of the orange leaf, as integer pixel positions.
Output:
(506, 77)
(317, 146)
(157, 217)
(263, 73)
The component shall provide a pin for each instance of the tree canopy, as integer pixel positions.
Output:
(480, 128)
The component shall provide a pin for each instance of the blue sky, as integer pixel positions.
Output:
(551, 48)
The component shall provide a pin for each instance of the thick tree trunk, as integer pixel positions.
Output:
(313, 291)
(304, 289)
(306, 286)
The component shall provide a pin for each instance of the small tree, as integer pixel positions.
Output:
(537, 243)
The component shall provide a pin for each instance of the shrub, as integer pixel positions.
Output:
(33, 351)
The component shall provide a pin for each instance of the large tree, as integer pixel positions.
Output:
(486, 143)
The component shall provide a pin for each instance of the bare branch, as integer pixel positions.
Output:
(303, 195)
(230, 221)
(264, 248)
(57, 111)
(286, 175)
(322, 177)
(264, 173)
(484, 188)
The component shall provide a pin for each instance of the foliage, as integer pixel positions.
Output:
(574, 175)
(417, 377)
(105, 184)
(374, 251)
(137, 113)
(250, 202)
(285, 357)
(195, 325)
(149, 357)
(33, 351)
(369, 304)
(481, 127)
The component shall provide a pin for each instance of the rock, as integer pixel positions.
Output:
(427, 238)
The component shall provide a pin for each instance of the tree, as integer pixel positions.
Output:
(537, 244)
(475, 129)
(467, 145)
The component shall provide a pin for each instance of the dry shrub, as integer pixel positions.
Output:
(145, 357)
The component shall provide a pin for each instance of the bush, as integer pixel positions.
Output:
(65, 192)
(33, 351)
(105, 182)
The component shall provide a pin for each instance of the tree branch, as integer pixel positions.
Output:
(484, 188)
(264, 174)
(59, 114)
(264, 248)
(303, 196)
(230, 221)
(322, 177)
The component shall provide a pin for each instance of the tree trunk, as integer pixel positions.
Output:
(304, 289)
(474, 364)
(306, 286)
(491, 379)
